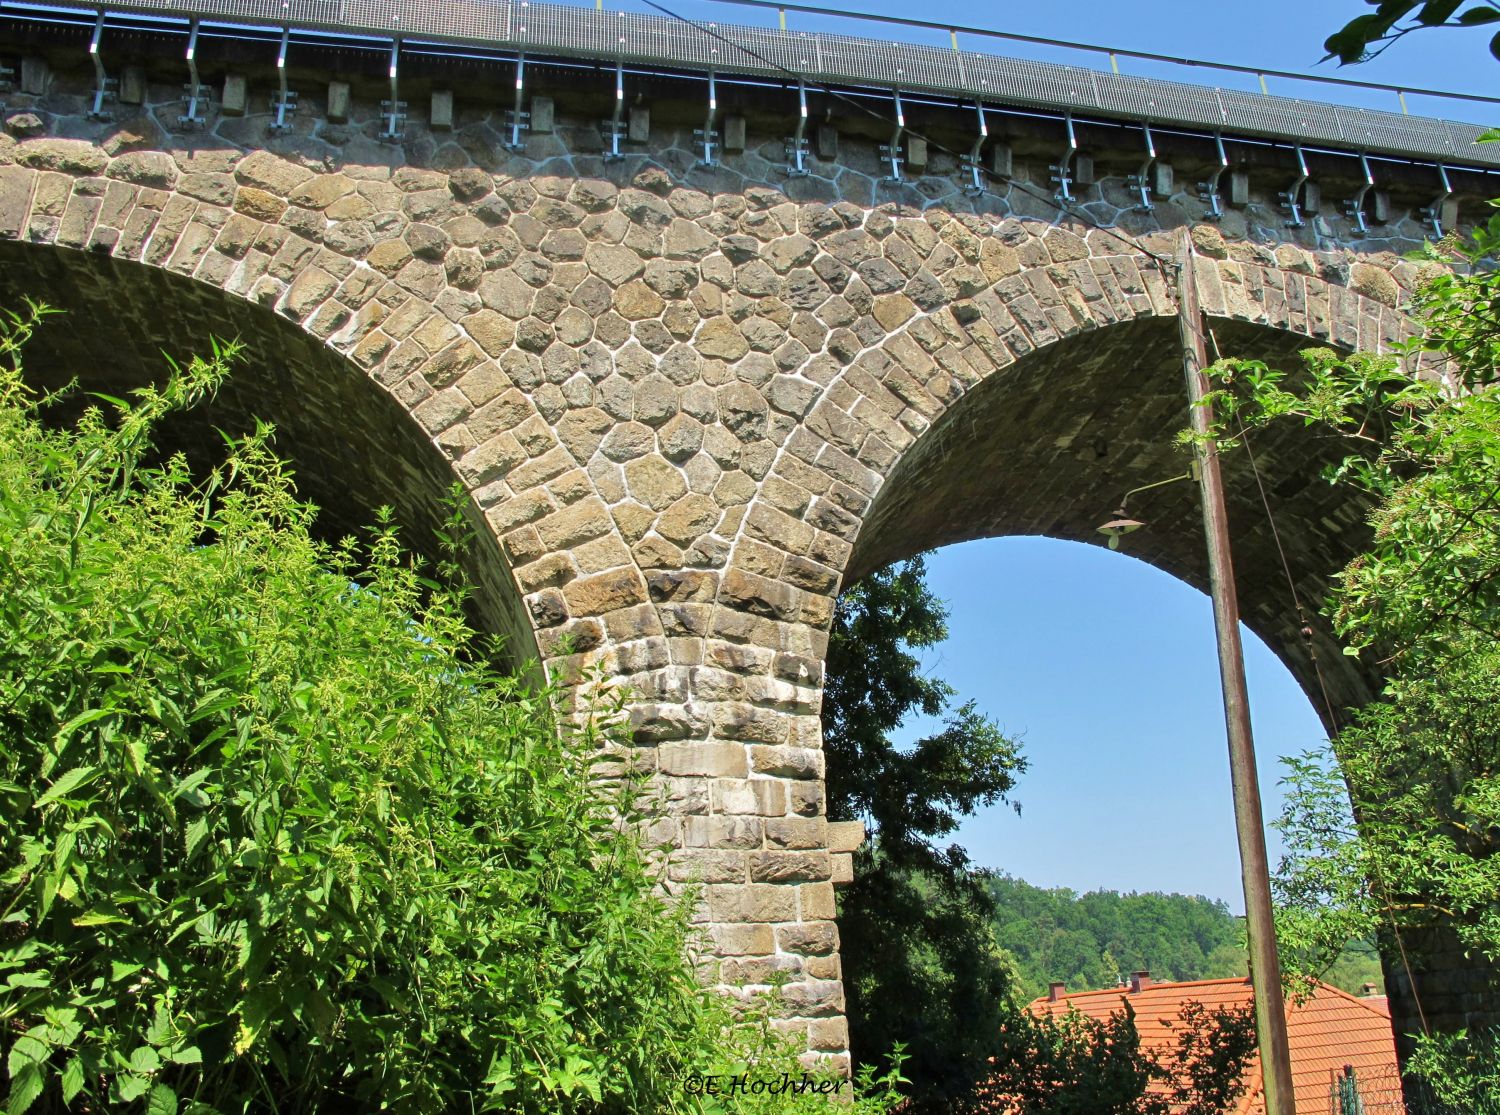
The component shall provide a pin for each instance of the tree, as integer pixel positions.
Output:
(276, 835)
(1077, 1065)
(920, 964)
(1420, 766)
(1370, 35)
(1090, 940)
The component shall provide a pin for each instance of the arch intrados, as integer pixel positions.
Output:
(353, 446)
(1050, 444)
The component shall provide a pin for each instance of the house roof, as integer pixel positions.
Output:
(1328, 1031)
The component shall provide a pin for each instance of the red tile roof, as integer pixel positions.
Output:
(1328, 1031)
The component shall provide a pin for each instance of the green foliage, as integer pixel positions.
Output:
(1421, 765)
(922, 967)
(1458, 1071)
(922, 972)
(1089, 941)
(1076, 1065)
(874, 681)
(920, 962)
(1367, 36)
(278, 838)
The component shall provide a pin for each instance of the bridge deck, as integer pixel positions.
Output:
(542, 30)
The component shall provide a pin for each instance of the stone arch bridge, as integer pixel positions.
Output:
(687, 400)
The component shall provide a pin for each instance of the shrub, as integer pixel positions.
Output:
(279, 837)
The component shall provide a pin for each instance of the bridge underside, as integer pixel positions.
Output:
(1051, 445)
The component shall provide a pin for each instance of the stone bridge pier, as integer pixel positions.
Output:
(687, 403)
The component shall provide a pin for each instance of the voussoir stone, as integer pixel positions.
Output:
(145, 168)
(259, 204)
(271, 173)
(1375, 282)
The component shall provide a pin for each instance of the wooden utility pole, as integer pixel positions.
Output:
(1260, 928)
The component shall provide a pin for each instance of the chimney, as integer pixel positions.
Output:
(1139, 981)
(1056, 991)
(1368, 990)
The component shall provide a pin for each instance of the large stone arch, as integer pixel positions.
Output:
(1034, 406)
(1031, 408)
(355, 444)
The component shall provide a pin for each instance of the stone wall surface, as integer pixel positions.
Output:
(689, 403)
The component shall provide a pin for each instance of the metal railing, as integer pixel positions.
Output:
(554, 31)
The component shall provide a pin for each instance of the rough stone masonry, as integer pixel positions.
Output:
(687, 403)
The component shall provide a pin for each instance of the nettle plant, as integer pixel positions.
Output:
(277, 836)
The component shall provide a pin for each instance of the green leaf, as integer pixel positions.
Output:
(99, 917)
(1475, 16)
(24, 1089)
(188, 1055)
(69, 782)
(27, 1050)
(197, 832)
(72, 1079)
(1495, 46)
(1436, 12)
(162, 1101)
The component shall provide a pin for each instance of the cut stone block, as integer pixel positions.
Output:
(338, 102)
(640, 125)
(236, 97)
(734, 133)
(35, 75)
(133, 85)
(542, 115)
(826, 143)
(442, 109)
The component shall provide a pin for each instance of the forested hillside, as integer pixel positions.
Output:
(1090, 941)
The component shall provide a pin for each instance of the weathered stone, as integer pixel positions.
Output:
(635, 301)
(1376, 283)
(743, 411)
(235, 96)
(24, 124)
(258, 203)
(428, 242)
(65, 156)
(145, 168)
(720, 338)
(271, 173)
(337, 109)
(654, 482)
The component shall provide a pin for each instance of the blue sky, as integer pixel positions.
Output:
(1103, 663)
